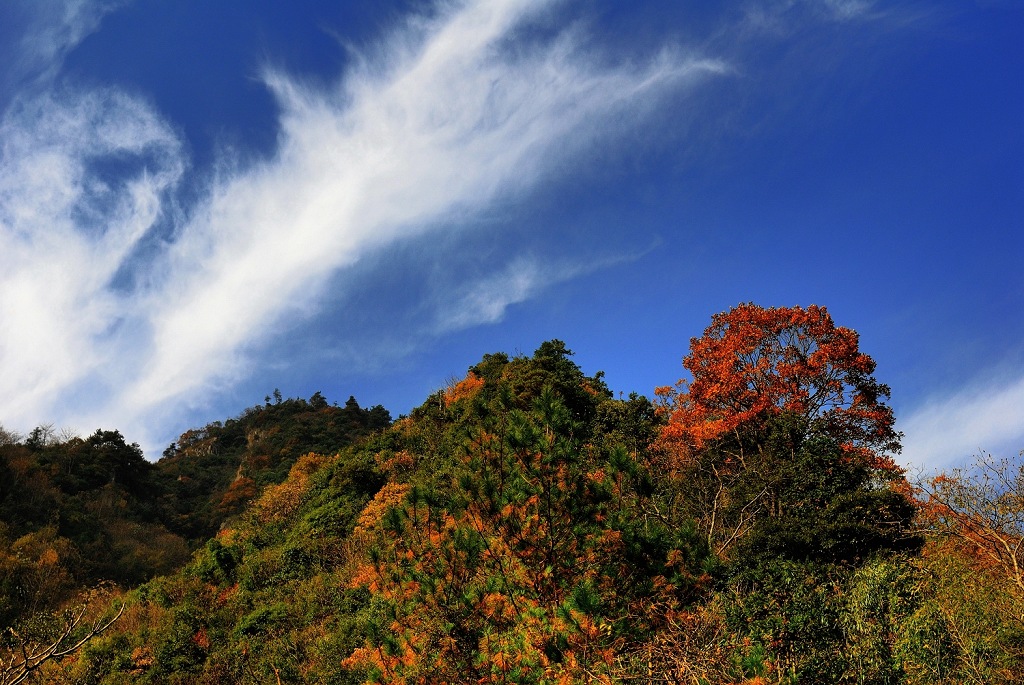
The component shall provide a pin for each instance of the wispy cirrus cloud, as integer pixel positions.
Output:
(944, 432)
(789, 15)
(440, 125)
(48, 30)
(485, 301)
(66, 232)
(444, 117)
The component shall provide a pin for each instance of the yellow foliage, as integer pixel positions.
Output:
(278, 502)
(49, 558)
(397, 462)
(391, 495)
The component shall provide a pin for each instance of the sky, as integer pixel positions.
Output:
(202, 202)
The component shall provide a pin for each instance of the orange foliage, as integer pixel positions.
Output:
(397, 462)
(467, 387)
(388, 497)
(753, 362)
(201, 639)
(280, 501)
(982, 511)
(226, 594)
(239, 493)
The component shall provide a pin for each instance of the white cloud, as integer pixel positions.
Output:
(787, 16)
(440, 122)
(848, 9)
(443, 131)
(948, 432)
(486, 300)
(52, 28)
(64, 234)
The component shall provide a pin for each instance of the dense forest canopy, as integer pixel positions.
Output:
(523, 525)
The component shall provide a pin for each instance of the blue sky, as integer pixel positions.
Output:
(203, 201)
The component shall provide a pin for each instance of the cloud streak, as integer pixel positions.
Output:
(65, 232)
(112, 315)
(50, 29)
(949, 431)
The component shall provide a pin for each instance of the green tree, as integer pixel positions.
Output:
(535, 567)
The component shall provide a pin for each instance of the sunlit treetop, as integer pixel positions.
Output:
(754, 362)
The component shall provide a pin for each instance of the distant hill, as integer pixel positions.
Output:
(79, 511)
(210, 474)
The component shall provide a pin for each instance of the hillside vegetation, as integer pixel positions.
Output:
(76, 512)
(525, 526)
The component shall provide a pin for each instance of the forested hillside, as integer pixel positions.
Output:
(527, 524)
(75, 513)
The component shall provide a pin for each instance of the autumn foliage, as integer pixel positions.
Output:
(754, 362)
(981, 511)
(525, 526)
(521, 573)
(467, 387)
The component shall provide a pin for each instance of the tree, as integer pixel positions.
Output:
(534, 565)
(23, 656)
(983, 509)
(8, 437)
(974, 568)
(40, 437)
(752, 363)
(779, 448)
(767, 385)
(78, 465)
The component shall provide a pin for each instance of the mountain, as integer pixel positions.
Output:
(523, 525)
(78, 512)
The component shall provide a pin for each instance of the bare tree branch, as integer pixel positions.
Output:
(25, 660)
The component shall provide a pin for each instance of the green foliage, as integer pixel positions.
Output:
(786, 610)
(212, 473)
(180, 651)
(77, 511)
(533, 561)
(74, 513)
(216, 564)
(881, 599)
(520, 526)
(262, 620)
(815, 504)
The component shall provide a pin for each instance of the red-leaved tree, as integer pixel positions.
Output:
(755, 362)
(765, 384)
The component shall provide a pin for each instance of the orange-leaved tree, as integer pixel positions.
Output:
(764, 383)
(982, 510)
(754, 362)
(973, 563)
(779, 448)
